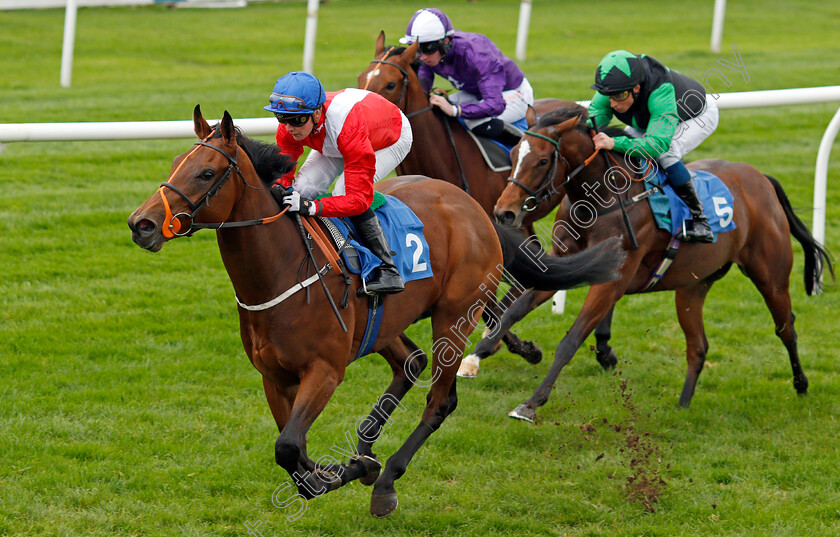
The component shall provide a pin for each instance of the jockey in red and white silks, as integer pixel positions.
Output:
(360, 138)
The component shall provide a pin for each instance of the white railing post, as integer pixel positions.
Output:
(821, 179)
(309, 37)
(67, 46)
(717, 24)
(522, 29)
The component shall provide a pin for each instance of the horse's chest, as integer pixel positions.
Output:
(266, 356)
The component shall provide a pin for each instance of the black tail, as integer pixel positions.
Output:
(526, 261)
(816, 256)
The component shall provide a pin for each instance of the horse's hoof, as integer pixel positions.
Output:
(531, 352)
(382, 505)
(331, 480)
(469, 367)
(801, 385)
(524, 413)
(608, 360)
(373, 467)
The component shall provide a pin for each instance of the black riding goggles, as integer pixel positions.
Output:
(297, 120)
(430, 47)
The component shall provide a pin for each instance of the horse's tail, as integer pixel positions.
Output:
(529, 264)
(816, 256)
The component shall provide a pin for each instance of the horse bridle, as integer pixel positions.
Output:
(547, 188)
(404, 72)
(172, 222)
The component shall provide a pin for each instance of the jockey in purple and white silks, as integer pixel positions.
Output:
(493, 91)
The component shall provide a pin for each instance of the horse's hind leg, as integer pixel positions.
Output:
(441, 401)
(773, 283)
(407, 361)
(689, 301)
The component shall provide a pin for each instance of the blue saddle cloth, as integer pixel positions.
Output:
(670, 211)
(404, 232)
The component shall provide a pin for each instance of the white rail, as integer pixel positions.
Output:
(43, 132)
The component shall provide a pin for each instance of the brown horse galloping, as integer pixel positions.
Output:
(760, 245)
(298, 346)
(442, 148)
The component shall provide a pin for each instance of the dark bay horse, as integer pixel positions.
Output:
(442, 148)
(294, 339)
(556, 155)
(393, 75)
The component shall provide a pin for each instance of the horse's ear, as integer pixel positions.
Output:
(228, 130)
(410, 53)
(567, 125)
(380, 44)
(202, 129)
(531, 116)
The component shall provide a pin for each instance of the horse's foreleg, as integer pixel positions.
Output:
(407, 361)
(689, 301)
(441, 401)
(524, 348)
(315, 389)
(598, 303)
(603, 352)
(511, 315)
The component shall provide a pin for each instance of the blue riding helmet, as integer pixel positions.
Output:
(296, 93)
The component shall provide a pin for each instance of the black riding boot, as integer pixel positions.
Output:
(385, 278)
(698, 229)
(510, 135)
(499, 130)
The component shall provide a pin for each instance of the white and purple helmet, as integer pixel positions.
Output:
(427, 25)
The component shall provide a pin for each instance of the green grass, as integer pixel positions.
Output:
(128, 407)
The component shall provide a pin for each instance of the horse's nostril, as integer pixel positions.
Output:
(145, 226)
(506, 218)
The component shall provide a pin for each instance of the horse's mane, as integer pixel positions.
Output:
(565, 113)
(268, 162)
(396, 51)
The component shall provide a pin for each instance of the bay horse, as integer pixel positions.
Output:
(299, 346)
(559, 151)
(442, 148)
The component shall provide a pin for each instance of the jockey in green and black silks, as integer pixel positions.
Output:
(667, 115)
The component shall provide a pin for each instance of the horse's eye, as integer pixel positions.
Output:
(391, 86)
(543, 162)
(207, 174)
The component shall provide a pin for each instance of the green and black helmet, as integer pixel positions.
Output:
(618, 71)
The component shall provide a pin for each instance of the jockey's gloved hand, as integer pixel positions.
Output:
(448, 108)
(278, 191)
(299, 204)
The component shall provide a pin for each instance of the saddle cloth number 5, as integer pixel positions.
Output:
(724, 211)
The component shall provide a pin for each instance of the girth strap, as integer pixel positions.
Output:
(667, 258)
